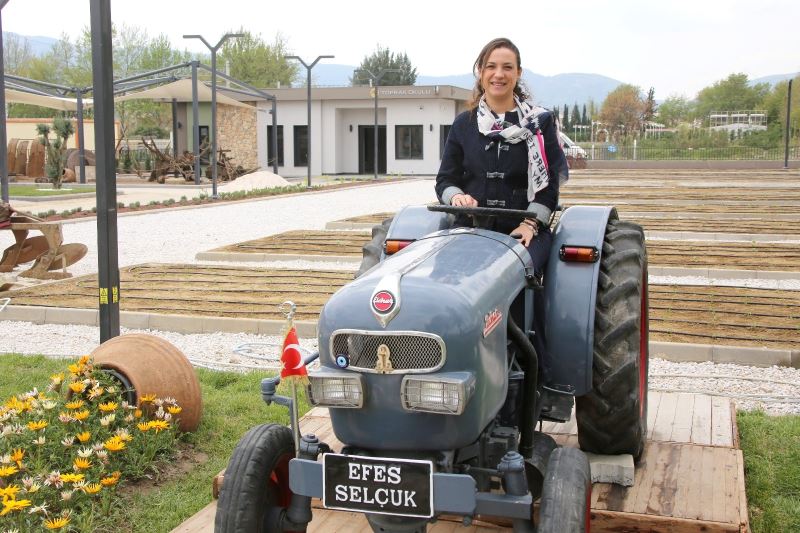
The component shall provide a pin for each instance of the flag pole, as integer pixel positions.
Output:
(289, 308)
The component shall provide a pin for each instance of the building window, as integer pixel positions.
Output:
(301, 146)
(408, 142)
(444, 131)
(270, 152)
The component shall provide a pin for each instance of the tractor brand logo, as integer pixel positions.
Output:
(384, 364)
(491, 320)
(383, 302)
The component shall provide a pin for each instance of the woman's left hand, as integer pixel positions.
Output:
(526, 233)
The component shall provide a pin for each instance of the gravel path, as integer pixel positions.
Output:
(176, 235)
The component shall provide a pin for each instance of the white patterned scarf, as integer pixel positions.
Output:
(528, 131)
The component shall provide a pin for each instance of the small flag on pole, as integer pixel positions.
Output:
(292, 365)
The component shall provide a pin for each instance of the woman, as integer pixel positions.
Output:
(504, 152)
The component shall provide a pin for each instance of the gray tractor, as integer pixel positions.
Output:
(435, 389)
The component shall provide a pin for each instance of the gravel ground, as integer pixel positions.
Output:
(177, 235)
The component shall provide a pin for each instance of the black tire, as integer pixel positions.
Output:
(373, 250)
(612, 417)
(255, 489)
(566, 494)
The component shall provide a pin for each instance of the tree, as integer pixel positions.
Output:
(584, 117)
(381, 59)
(16, 54)
(731, 94)
(565, 122)
(650, 107)
(575, 115)
(55, 151)
(254, 61)
(675, 110)
(775, 105)
(623, 109)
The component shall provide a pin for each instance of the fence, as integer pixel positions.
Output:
(632, 152)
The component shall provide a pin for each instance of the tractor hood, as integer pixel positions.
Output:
(455, 287)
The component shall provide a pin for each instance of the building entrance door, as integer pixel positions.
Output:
(366, 149)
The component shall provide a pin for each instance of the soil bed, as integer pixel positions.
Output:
(699, 314)
(303, 241)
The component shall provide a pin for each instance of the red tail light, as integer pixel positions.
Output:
(393, 246)
(578, 254)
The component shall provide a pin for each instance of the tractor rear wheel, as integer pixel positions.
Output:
(373, 250)
(255, 489)
(612, 417)
(566, 494)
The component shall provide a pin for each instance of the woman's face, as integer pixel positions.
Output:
(500, 73)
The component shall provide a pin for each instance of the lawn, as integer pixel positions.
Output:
(771, 447)
(46, 190)
(231, 405)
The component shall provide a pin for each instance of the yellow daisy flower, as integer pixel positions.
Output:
(158, 425)
(9, 492)
(56, 523)
(57, 378)
(14, 505)
(77, 386)
(37, 425)
(174, 409)
(83, 437)
(114, 444)
(81, 463)
(6, 471)
(72, 478)
(17, 455)
(111, 480)
(92, 488)
(147, 398)
(143, 426)
(137, 413)
(75, 404)
(81, 415)
(108, 406)
(95, 392)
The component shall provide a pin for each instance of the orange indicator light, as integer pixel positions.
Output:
(578, 254)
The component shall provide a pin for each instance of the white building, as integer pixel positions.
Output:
(413, 125)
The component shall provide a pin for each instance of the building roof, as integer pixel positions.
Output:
(403, 92)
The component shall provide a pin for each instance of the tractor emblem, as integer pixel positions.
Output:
(383, 302)
(384, 364)
(490, 321)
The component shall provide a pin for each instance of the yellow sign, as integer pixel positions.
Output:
(115, 295)
(103, 295)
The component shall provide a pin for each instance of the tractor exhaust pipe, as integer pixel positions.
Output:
(531, 367)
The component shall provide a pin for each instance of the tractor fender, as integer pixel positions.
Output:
(570, 290)
(415, 221)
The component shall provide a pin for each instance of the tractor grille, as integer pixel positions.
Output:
(410, 351)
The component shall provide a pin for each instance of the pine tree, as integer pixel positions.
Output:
(584, 119)
(565, 122)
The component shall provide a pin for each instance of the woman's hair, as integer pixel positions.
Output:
(491, 46)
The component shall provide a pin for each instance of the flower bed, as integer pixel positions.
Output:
(64, 451)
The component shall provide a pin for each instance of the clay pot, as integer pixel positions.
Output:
(151, 365)
(68, 176)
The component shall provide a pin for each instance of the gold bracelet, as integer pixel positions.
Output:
(530, 224)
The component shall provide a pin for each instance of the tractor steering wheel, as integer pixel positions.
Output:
(481, 215)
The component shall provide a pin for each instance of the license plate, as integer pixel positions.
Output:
(401, 487)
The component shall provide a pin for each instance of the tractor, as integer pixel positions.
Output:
(435, 389)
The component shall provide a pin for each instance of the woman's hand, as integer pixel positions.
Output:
(527, 230)
(463, 200)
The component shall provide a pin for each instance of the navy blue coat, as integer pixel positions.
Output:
(495, 173)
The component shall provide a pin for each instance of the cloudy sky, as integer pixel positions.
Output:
(676, 46)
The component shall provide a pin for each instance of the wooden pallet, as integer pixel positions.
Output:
(690, 478)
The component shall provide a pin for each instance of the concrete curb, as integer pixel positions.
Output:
(722, 273)
(734, 237)
(672, 351)
(257, 257)
(162, 322)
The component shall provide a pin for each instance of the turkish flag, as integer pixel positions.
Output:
(291, 358)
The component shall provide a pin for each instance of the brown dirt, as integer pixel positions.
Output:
(707, 315)
(299, 242)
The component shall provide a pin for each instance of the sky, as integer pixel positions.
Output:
(676, 46)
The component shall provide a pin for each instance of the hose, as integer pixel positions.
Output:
(530, 386)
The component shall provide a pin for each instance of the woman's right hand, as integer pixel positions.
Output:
(463, 200)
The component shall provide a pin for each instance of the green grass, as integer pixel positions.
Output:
(232, 405)
(771, 448)
(46, 190)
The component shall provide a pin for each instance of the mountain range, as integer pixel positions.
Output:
(550, 91)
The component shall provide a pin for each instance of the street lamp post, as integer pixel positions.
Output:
(308, 126)
(213, 50)
(4, 190)
(376, 80)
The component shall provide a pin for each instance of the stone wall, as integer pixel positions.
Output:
(237, 130)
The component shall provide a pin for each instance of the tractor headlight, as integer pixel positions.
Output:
(437, 393)
(336, 389)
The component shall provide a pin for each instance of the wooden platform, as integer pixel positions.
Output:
(690, 478)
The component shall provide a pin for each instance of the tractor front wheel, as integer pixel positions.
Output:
(566, 494)
(612, 417)
(255, 489)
